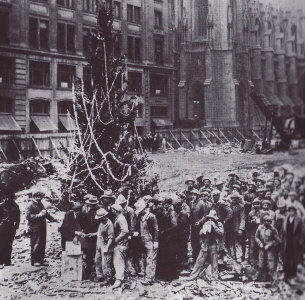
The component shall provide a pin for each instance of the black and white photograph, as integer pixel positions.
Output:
(152, 149)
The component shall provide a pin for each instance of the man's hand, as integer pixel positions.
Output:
(261, 245)
(197, 224)
(156, 245)
(42, 214)
(240, 232)
(266, 247)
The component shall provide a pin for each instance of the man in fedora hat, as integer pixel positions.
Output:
(267, 239)
(89, 225)
(187, 193)
(149, 233)
(37, 215)
(253, 221)
(106, 200)
(210, 236)
(199, 182)
(104, 247)
(298, 205)
(266, 209)
(237, 223)
(121, 233)
(130, 217)
(199, 209)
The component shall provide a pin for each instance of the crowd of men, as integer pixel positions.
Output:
(259, 220)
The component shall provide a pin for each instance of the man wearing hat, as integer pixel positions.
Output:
(237, 225)
(104, 247)
(219, 185)
(210, 234)
(253, 221)
(267, 239)
(37, 215)
(232, 179)
(190, 185)
(149, 233)
(280, 215)
(266, 209)
(130, 217)
(106, 200)
(293, 243)
(121, 233)
(199, 182)
(206, 183)
(199, 209)
(298, 205)
(70, 225)
(89, 225)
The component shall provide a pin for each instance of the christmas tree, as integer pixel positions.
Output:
(104, 155)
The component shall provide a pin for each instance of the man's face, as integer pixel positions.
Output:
(256, 206)
(285, 193)
(234, 200)
(268, 223)
(38, 199)
(206, 182)
(292, 197)
(220, 187)
(291, 212)
(205, 197)
(282, 210)
(265, 206)
(268, 194)
(216, 197)
(236, 189)
(190, 185)
(251, 188)
(243, 185)
(277, 183)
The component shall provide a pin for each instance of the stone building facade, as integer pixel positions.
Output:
(239, 47)
(43, 45)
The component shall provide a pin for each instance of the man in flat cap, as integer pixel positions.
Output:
(37, 215)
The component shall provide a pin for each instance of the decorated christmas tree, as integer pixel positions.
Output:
(104, 155)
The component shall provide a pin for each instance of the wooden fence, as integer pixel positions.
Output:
(21, 146)
(189, 138)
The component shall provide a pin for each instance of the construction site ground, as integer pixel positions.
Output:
(22, 281)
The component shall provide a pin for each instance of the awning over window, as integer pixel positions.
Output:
(68, 123)
(162, 122)
(44, 123)
(8, 123)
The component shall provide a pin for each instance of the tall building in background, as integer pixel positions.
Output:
(187, 60)
(43, 45)
(232, 48)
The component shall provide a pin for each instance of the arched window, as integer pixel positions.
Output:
(268, 35)
(257, 32)
(246, 31)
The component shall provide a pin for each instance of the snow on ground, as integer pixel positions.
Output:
(22, 281)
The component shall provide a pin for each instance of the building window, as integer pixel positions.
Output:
(39, 73)
(117, 45)
(135, 82)
(158, 19)
(109, 4)
(87, 79)
(65, 107)
(4, 27)
(65, 75)
(7, 70)
(129, 13)
(134, 45)
(38, 33)
(39, 107)
(140, 110)
(158, 85)
(66, 3)
(159, 111)
(117, 10)
(159, 50)
(133, 14)
(86, 40)
(89, 6)
(6, 105)
(65, 37)
(294, 39)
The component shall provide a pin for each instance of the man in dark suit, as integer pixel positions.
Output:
(71, 225)
(293, 229)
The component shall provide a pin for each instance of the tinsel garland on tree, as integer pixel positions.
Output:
(104, 155)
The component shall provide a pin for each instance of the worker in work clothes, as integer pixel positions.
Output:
(236, 225)
(104, 247)
(130, 217)
(210, 236)
(199, 210)
(89, 225)
(187, 193)
(9, 223)
(224, 214)
(149, 233)
(121, 233)
(267, 239)
(253, 221)
(37, 216)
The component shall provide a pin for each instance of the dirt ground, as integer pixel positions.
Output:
(22, 281)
